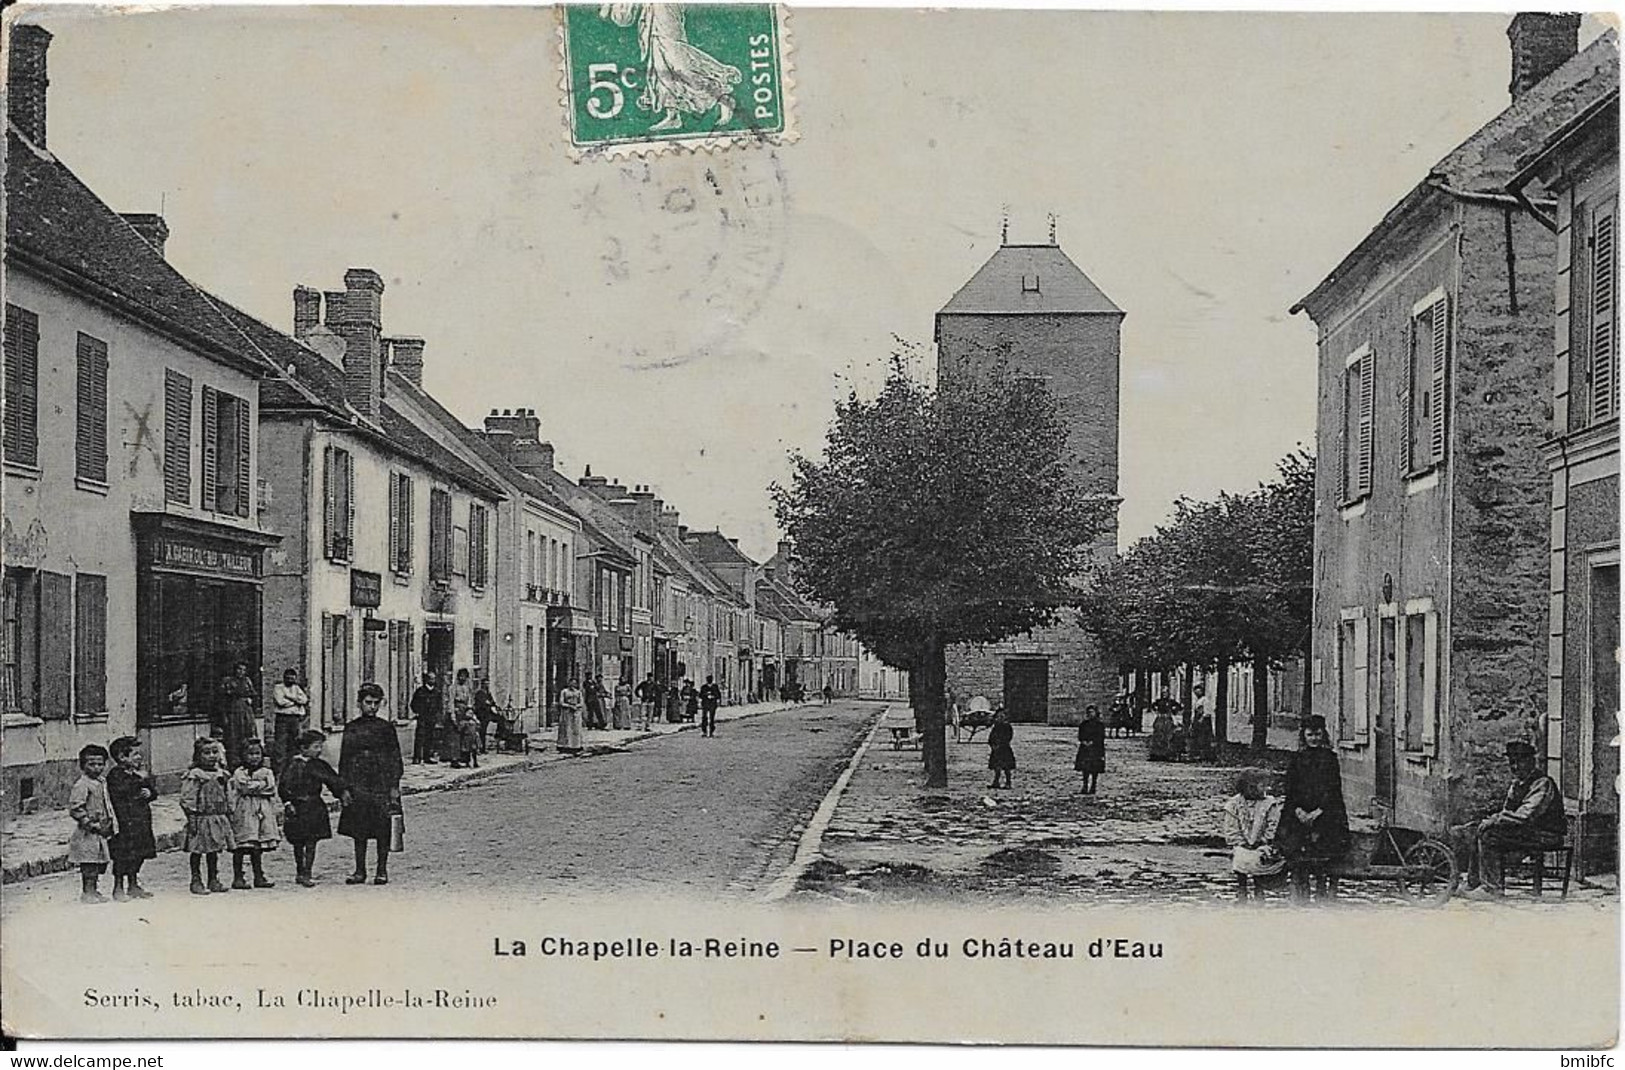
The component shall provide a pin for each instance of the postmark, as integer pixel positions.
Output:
(643, 79)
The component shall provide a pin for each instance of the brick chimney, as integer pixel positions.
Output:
(516, 433)
(333, 304)
(588, 481)
(1542, 41)
(152, 228)
(307, 310)
(670, 523)
(26, 81)
(359, 321)
(647, 509)
(406, 357)
(521, 423)
(786, 560)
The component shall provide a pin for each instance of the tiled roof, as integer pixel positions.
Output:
(56, 225)
(1030, 279)
(1481, 166)
(714, 548)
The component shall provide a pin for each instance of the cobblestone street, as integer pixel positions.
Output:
(1151, 834)
(677, 814)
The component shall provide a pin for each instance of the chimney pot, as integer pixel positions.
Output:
(307, 310)
(1542, 41)
(358, 321)
(26, 81)
(152, 228)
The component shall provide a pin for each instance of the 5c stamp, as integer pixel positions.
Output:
(647, 77)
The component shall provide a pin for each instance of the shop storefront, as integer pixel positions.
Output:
(571, 634)
(197, 616)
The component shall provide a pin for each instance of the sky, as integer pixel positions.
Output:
(1207, 170)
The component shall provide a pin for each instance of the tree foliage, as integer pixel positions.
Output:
(941, 516)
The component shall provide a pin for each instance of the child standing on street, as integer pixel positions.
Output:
(253, 816)
(303, 779)
(468, 739)
(131, 793)
(93, 822)
(205, 798)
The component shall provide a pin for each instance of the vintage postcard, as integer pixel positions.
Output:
(937, 526)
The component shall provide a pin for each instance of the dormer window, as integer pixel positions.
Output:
(1029, 284)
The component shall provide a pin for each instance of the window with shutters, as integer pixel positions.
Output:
(1422, 442)
(1359, 401)
(21, 440)
(1419, 683)
(54, 660)
(90, 439)
(1602, 329)
(478, 551)
(338, 503)
(227, 481)
(177, 438)
(19, 643)
(400, 523)
(90, 647)
(441, 539)
(1353, 650)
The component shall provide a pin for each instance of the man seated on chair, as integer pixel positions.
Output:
(1530, 820)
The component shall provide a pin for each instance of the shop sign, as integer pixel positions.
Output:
(366, 589)
(173, 553)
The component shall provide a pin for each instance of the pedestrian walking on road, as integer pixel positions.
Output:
(674, 705)
(570, 704)
(205, 798)
(253, 817)
(691, 701)
(1091, 759)
(94, 822)
(131, 792)
(306, 821)
(426, 707)
(829, 694)
(370, 765)
(622, 709)
(1002, 756)
(485, 709)
(710, 699)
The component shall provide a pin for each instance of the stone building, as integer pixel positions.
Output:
(132, 542)
(1033, 313)
(1433, 519)
(388, 563)
(1578, 164)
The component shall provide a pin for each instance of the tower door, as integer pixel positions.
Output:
(1026, 690)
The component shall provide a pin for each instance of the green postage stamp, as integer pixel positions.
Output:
(647, 77)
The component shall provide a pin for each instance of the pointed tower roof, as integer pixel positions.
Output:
(1022, 279)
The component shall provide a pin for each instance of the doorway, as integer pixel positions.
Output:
(1387, 693)
(1026, 690)
(439, 652)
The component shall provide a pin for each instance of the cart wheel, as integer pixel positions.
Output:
(1430, 872)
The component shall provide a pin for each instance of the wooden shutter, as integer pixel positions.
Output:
(1604, 339)
(395, 522)
(349, 504)
(90, 445)
(1368, 398)
(1362, 679)
(55, 645)
(245, 456)
(1430, 683)
(408, 525)
(440, 544)
(90, 646)
(329, 502)
(1407, 397)
(177, 438)
(211, 433)
(1440, 315)
(21, 440)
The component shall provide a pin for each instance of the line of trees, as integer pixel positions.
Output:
(1223, 582)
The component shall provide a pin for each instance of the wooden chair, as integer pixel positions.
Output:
(1538, 865)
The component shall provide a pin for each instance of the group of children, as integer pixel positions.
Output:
(236, 811)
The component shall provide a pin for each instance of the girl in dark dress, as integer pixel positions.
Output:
(1002, 758)
(1314, 826)
(131, 792)
(306, 822)
(370, 765)
(1091, 759)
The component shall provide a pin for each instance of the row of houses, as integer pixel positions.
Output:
(187, 488)
(1467, 531)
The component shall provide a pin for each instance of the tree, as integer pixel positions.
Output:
(1222, 581)
(940, 516)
